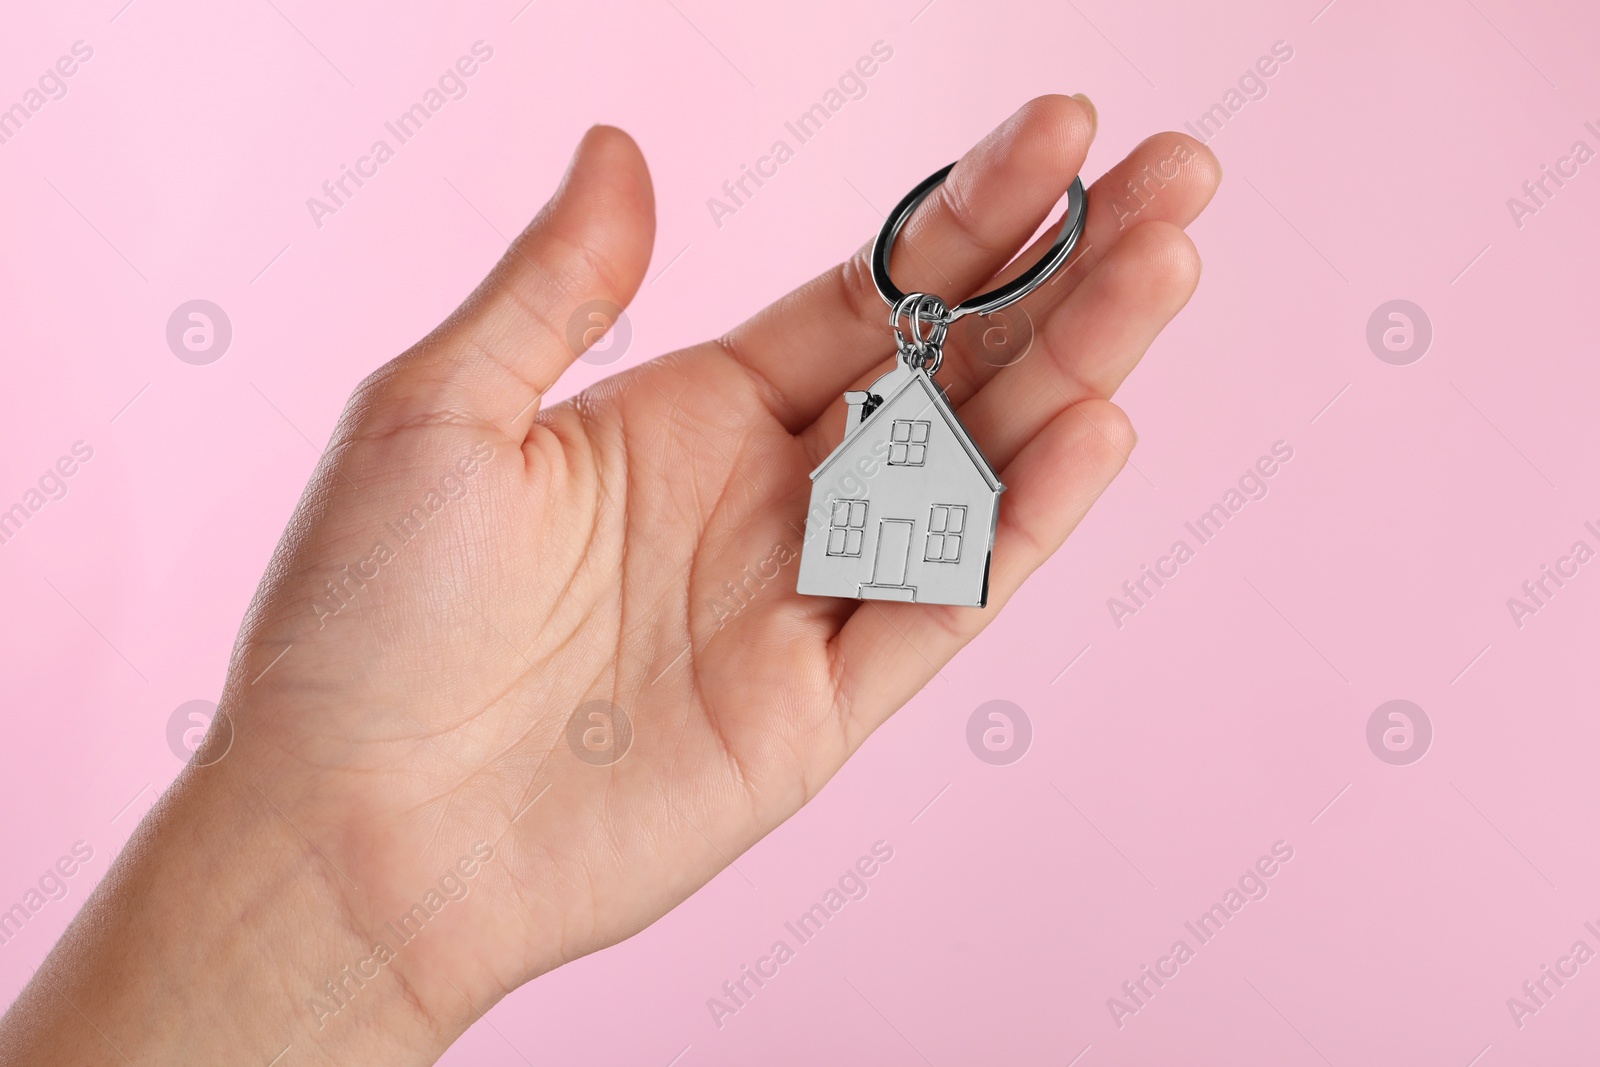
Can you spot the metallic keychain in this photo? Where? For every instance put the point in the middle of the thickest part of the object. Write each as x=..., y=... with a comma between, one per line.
x=906, y=507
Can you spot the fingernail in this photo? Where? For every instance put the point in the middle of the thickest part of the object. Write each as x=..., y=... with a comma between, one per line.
x=1094, y=114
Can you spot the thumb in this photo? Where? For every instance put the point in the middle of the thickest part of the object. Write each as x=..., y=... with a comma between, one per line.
x=556, y=290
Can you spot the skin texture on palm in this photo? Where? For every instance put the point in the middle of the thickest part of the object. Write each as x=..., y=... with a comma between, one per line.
x=387, y=723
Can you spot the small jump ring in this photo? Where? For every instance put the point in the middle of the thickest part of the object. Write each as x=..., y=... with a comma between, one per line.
x=995, y=299
x=921, y=309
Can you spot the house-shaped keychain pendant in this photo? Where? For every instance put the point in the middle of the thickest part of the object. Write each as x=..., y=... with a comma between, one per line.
x=905, y=508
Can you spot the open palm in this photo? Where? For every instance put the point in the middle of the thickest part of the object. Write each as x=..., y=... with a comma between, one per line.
x=470, y=572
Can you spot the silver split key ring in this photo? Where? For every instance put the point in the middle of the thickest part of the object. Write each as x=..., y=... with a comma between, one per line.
x=928, y=309
x=906, y=507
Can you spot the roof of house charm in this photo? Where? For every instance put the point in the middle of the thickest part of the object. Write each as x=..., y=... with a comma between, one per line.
x=905, y=508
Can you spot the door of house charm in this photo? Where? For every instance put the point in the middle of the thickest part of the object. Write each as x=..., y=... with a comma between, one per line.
x=894, y=552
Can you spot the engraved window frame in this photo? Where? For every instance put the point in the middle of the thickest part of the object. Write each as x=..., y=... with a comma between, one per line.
x=846, y=516
x=908, y=442
x=947, y=529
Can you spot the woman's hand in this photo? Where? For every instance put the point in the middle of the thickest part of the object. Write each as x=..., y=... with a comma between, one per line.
x=407, y=824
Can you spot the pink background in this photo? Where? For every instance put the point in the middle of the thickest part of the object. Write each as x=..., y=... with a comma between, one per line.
x=1223, y=717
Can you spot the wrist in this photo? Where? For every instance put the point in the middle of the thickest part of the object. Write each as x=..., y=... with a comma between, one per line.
x=221, y=933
